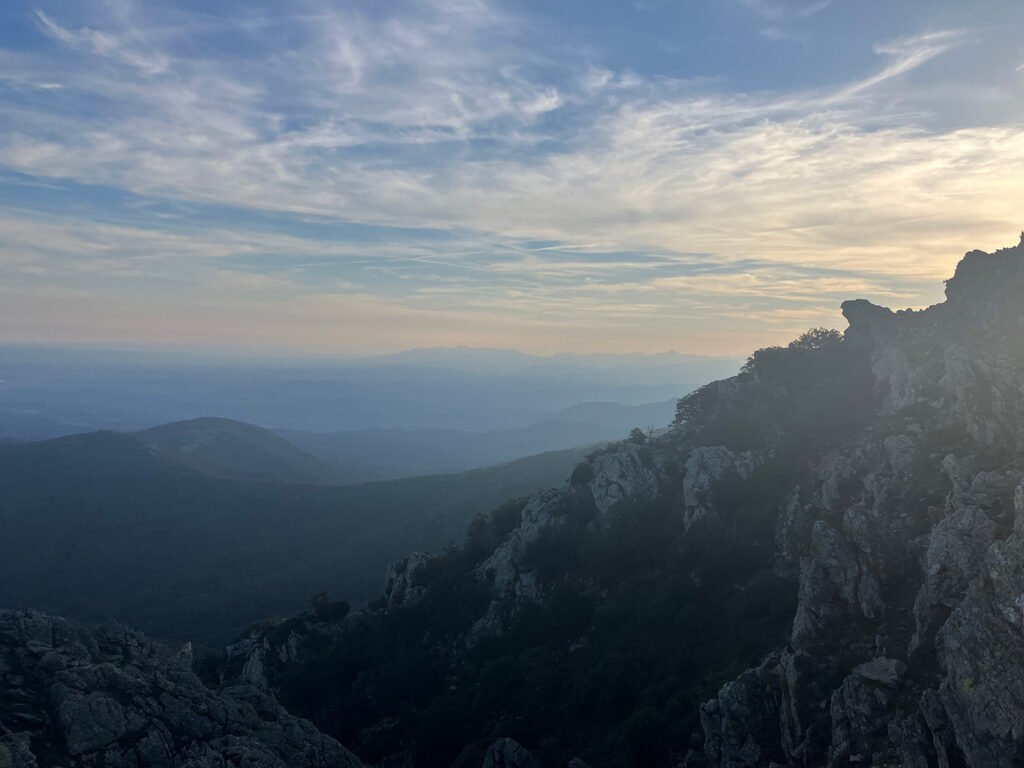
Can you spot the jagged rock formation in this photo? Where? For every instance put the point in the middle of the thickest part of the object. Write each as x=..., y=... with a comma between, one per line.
x=72, y=696
x=907, y=648
x=845, y=517
x=400, y=579
x=508, y=753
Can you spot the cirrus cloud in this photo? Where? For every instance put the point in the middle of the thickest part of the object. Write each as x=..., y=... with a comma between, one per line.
x=495, y=175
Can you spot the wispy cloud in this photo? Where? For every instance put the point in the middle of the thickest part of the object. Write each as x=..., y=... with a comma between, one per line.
x=812, y=9
x=106, y=44
x=770, y=10
x=512, y=178
x=906, y=54
x=783, y=17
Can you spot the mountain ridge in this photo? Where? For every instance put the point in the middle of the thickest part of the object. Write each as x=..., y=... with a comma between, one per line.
x=230, y=448
x=49, y=394
x=819, y=565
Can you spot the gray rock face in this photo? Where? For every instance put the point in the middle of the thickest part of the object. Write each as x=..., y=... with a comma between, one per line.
x=508, y=753
x=834, y=585
x=859, y=709
x=629, y=472
x=400, y=579
x=109, y=697
x=507, y=570
x=908, y=642
x=705, y=467
x=626, y=472
x=741, y=723
x=506, y=567
x=983, y=691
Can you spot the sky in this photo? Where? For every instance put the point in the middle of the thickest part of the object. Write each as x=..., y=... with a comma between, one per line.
x=709, y=176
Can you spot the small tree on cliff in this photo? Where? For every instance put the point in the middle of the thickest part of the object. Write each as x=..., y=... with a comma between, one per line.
x=817, y=338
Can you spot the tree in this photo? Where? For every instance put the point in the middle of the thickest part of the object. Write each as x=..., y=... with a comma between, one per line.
x=817, y=338
x=696, y=406
x=326, y=609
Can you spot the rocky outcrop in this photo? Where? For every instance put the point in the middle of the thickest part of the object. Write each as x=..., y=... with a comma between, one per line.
x=705, y=468
x=506, y=569
x=741, y=724
x=400, y=579
x=625, y=473
x=508, y=753
x=908, y=630
x=70, y=695
x=629, y=472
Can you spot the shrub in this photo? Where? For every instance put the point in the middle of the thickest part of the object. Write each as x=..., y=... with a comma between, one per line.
x=325, y=609
x=637, y=436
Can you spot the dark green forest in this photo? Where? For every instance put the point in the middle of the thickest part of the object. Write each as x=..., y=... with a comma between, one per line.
x=97, y=527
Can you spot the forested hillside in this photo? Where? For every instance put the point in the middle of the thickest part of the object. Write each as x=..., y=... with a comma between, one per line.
x=103, y=526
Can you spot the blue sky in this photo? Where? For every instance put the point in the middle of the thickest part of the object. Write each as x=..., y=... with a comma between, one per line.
x=704, y=175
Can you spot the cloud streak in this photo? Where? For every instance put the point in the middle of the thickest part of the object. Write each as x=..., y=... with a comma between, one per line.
x=512, y=178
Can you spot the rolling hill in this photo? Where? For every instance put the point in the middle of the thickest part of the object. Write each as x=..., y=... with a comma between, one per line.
x=228, y=448
x=101, y=526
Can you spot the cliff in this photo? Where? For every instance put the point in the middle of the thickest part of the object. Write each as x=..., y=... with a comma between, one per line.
x=906, y=647
x=843, y=520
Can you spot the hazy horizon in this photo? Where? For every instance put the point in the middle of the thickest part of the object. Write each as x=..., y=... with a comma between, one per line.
x=528, y=404
x=297, y=355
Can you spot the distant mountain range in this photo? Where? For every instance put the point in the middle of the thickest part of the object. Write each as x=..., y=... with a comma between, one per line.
x=51, y=392
x=388, y=453
x=509, y=360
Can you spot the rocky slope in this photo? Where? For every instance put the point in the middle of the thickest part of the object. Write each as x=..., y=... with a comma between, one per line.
x=73, y=696
x=907, y=647
x=551, y=625
x=844, y=518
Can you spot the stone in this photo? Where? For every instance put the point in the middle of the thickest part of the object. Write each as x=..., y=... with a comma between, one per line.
x=118, y=699
x=508, y=753
x=704, y=468
x=400, y=579
x=623, y=474
x=741, y=723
